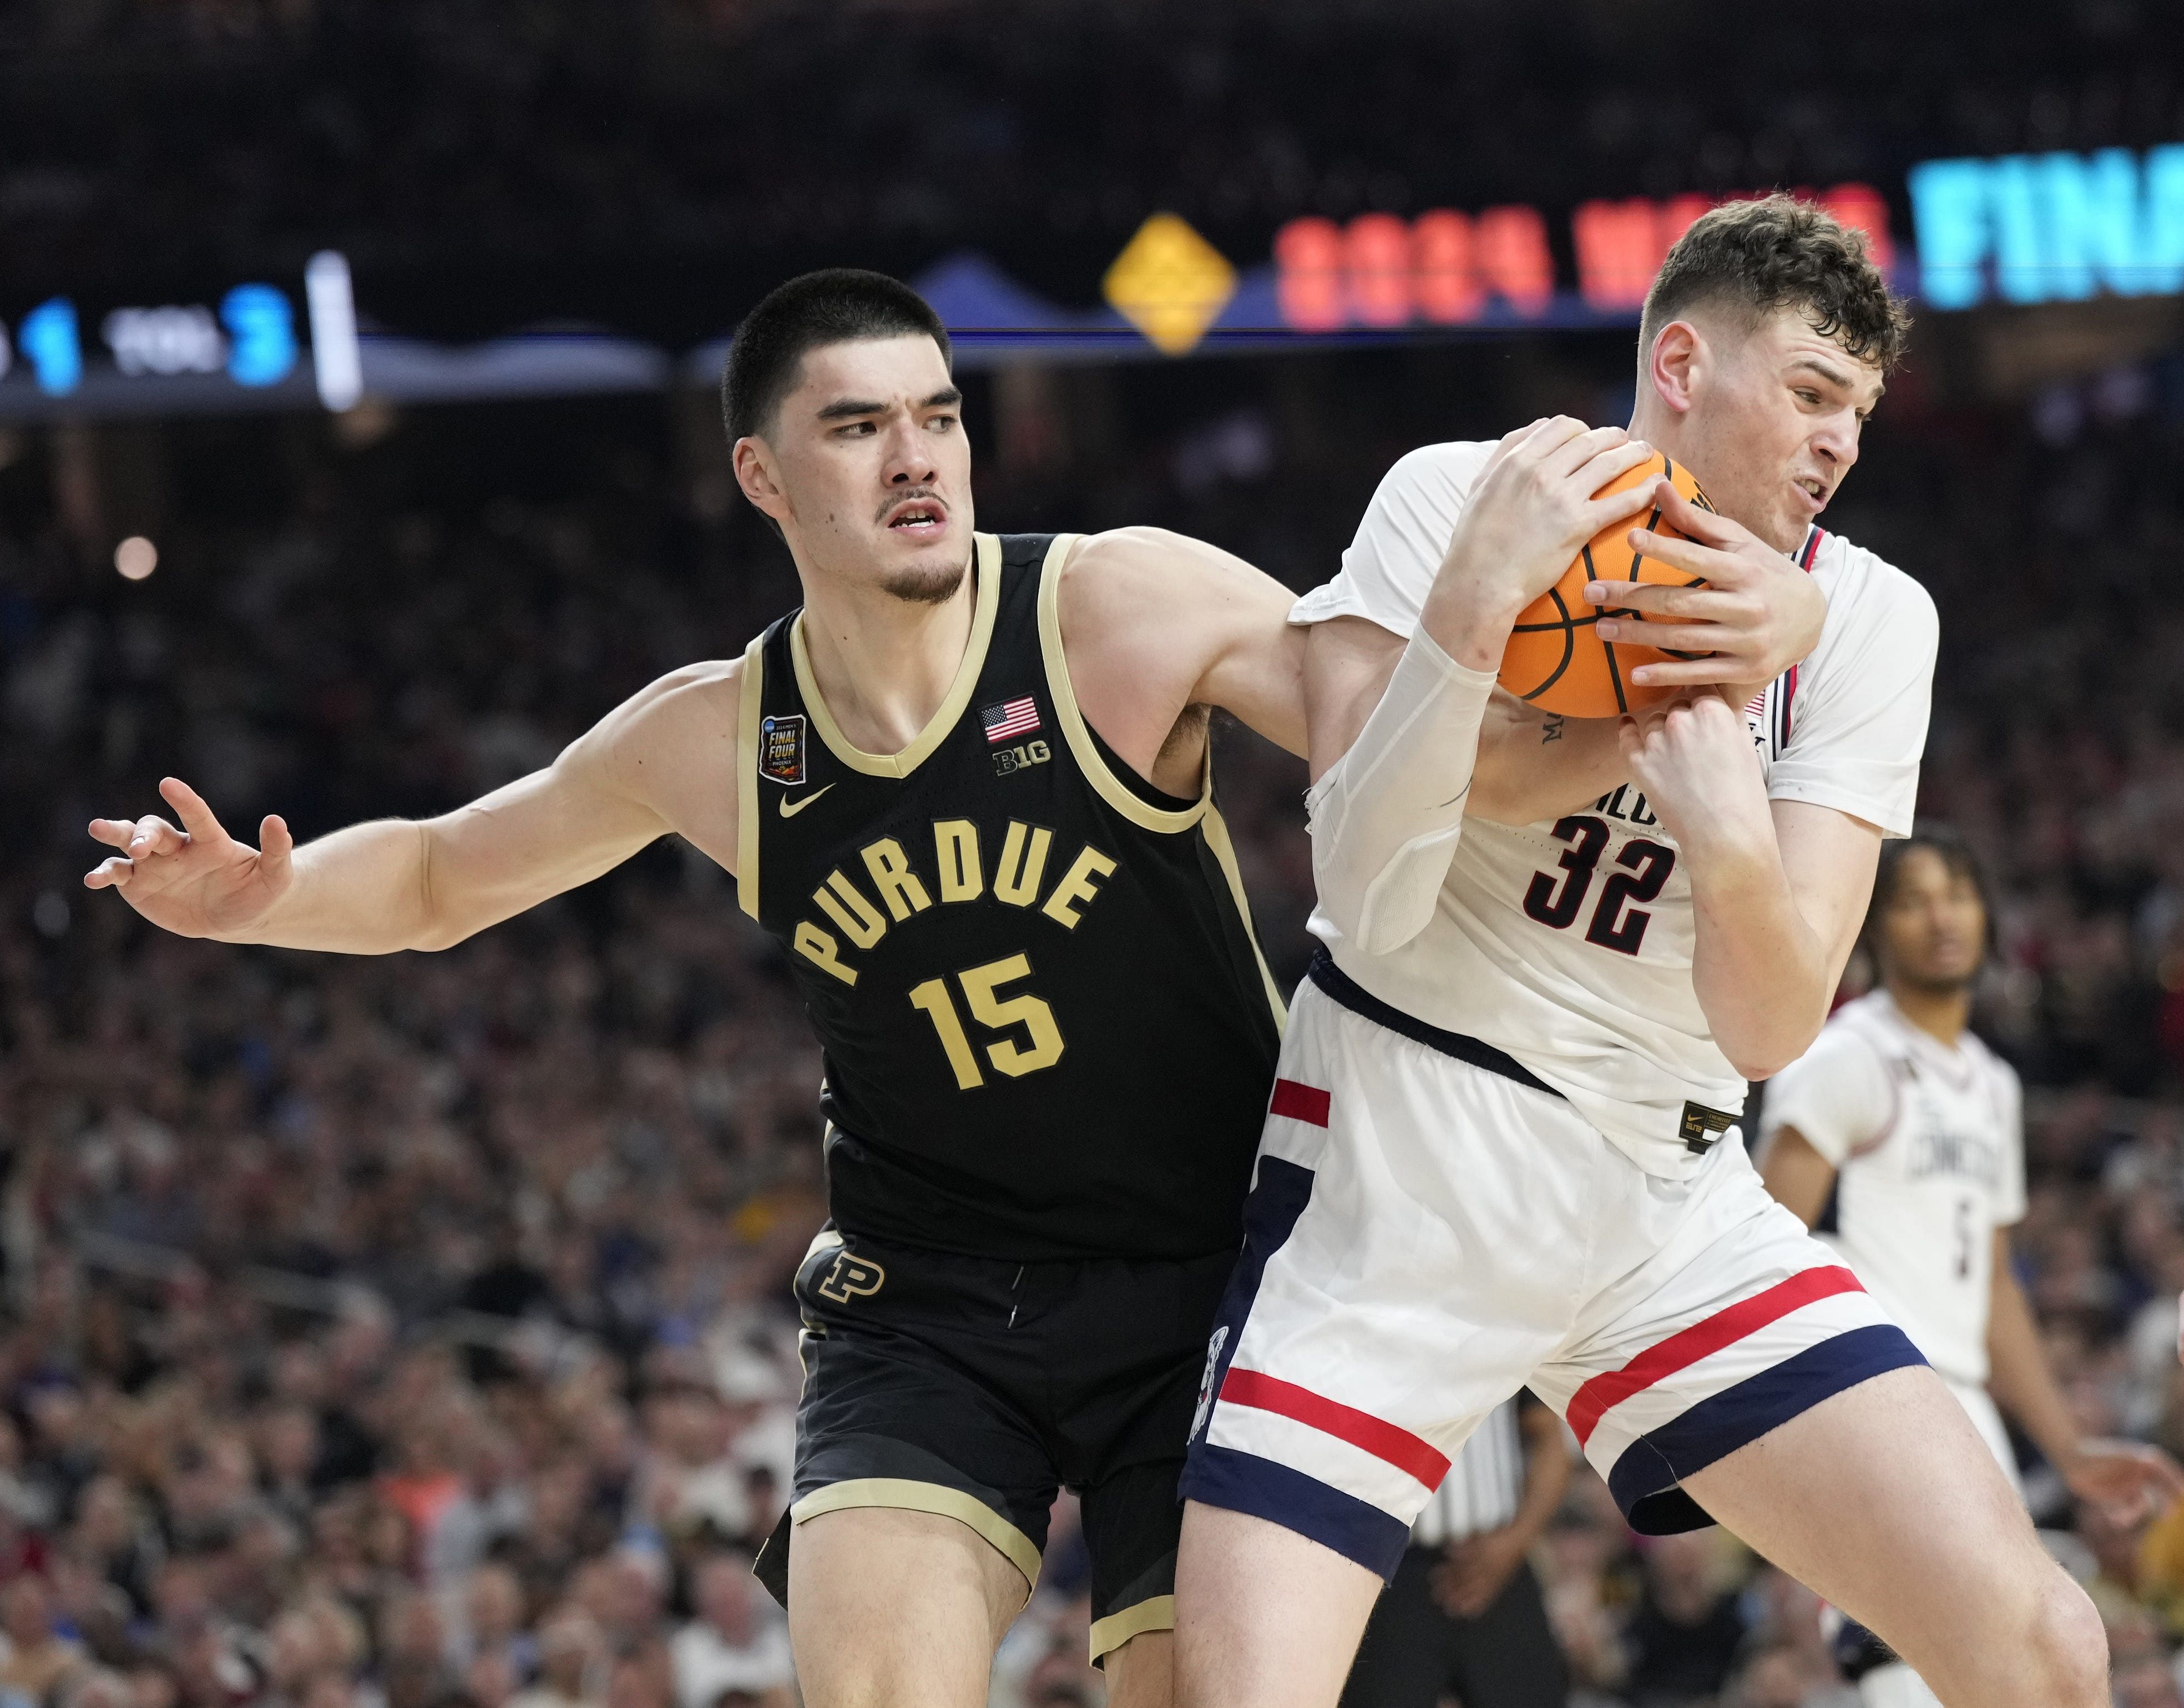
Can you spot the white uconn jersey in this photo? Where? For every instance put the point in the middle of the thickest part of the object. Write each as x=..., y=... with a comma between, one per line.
x=1568, y=943
x=1928, y=1149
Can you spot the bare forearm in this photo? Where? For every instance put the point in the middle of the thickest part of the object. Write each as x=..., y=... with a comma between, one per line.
x=1761, y=973
x=2018, y=1374
x=359, y=891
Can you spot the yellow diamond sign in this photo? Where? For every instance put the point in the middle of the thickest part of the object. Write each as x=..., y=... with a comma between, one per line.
x=1170, y=283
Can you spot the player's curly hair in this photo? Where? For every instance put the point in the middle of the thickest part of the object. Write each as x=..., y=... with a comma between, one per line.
x=1944, y=844
x=1775, y=252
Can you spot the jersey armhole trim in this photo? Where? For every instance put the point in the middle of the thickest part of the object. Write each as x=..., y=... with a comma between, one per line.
x=942, y=724
x=1225, y=855
x=750, y=711
x=1112, y=788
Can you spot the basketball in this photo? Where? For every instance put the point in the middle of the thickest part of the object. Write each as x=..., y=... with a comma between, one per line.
x=1554, y=660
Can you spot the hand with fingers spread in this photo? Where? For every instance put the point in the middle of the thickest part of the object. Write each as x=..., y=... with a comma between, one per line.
x=1537, y=500
x=197, y=881
x=1757, y=615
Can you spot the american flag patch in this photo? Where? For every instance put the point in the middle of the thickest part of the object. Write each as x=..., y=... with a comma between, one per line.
x=1007, y=719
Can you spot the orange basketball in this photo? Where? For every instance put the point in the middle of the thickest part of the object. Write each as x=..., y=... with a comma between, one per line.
x=1554, y=660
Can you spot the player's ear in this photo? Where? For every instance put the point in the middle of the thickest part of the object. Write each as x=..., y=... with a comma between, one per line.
x=760, y=477
x=1676, y=362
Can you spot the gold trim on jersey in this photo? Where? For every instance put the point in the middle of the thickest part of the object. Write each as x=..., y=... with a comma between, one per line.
x=906, y=1494
x=748, y=715
x=986, y=601
x=1224, y=851
x=1155, y=1613
x=1112, y=789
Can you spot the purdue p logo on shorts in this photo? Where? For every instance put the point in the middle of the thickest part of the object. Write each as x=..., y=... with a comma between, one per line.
x=851, y=1277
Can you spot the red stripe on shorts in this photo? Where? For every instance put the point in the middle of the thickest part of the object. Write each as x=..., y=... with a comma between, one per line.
x=1384, y=1441
x=1687, y=1346
x=1301, y=1102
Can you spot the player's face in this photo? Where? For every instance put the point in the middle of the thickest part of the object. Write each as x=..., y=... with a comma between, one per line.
x=868, y=468
x=1933, y=931
x=1774, y=424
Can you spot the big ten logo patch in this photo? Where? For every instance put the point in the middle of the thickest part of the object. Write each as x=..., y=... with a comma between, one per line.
x=1010, y=759
x=781, y=748
x=851, y=1277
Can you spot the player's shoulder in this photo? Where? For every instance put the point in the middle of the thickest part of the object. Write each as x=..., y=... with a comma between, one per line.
x=1991, y=1062
x=1446, y=471
x=1865, y=1025
x=1867, y=592
x=1139, y=557
x=703, y=695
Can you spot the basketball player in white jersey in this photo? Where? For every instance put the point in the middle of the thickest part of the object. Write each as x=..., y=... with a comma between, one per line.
x=1898, y=1138
x=1502, y=1149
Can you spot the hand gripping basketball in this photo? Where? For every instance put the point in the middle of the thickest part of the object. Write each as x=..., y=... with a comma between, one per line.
x=1556, y=659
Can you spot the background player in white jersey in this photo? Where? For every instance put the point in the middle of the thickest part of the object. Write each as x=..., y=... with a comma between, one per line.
x=1898, y=1138
x=1494, y=1157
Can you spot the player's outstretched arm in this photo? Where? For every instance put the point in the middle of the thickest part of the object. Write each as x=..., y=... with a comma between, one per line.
x=2132, y=1480
x=1155, y=622
x=399, y=884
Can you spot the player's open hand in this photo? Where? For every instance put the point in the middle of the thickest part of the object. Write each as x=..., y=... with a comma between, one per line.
x=1757, y=615
x=1694, y=759
x=2127, y=1479
x=197, y=881
x=1537, y=501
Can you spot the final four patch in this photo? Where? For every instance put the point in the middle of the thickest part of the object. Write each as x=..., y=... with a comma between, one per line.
x=781, y=748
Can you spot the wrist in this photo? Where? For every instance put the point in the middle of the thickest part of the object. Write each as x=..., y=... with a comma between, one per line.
x=1469, y=623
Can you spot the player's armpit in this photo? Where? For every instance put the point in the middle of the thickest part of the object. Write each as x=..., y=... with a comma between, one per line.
x=1533, y=765
x=1153, y=623
x=663, y=760
x=1797, y=1176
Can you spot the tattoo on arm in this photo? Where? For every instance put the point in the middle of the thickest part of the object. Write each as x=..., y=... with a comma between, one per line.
x=1551, y=730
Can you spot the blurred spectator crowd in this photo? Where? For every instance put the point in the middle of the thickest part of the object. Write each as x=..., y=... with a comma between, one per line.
x=414, y=1332
x=487, y=166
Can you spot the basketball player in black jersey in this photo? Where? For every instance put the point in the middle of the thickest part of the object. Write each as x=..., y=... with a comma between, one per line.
x=967, y=787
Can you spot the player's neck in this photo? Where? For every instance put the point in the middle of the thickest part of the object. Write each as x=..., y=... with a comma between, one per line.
x=1941, y=1013
x=882, y=663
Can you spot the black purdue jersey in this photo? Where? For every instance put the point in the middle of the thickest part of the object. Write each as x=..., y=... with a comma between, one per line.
x=1048, y=1030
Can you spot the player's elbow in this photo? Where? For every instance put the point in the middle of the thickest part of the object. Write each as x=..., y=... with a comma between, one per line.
x=1761, y=1052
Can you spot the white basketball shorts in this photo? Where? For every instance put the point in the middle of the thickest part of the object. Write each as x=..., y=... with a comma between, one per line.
x=1430, y=1228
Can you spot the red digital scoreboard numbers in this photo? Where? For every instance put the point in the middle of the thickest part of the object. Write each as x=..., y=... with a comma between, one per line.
x=1446, y=268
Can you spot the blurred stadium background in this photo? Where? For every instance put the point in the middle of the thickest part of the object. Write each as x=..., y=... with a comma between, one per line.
x=414, y=1333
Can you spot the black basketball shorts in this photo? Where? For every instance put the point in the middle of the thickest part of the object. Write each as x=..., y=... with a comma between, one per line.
x=977, y=1388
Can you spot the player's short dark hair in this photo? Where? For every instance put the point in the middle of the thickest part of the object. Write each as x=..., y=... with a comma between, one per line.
x=1779, y=252
x=834, y=306
x=1945, y=845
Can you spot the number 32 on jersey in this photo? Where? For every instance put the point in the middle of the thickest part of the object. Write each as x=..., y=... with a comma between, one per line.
x=1618, y=919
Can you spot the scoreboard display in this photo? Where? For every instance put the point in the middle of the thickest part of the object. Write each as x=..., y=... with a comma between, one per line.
x=256, y=344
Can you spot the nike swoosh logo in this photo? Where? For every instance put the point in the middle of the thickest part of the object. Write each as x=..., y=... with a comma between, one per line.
x=789, y=808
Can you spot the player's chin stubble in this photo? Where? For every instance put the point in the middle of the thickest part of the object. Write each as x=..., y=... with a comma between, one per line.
x=926, y=583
